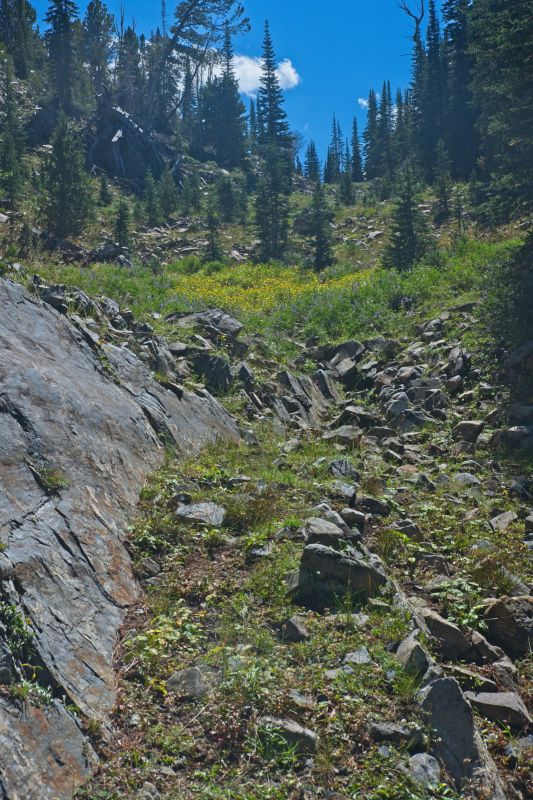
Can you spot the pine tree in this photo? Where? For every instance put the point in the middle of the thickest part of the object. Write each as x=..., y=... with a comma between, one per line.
x=276, y=144
x=19, y=35
x=122, y=224
x=188, y=103
x=152, y=208
x=98, y=27
x=408, y=239
x=357, y=161
x=501, y=44
x=11, y=141
x=167, y=192
x=104, y=196
x=346, y=193
x=274, y=128
x=68, y=201
x=62, y=55
x=385, y=125
x=460, y=110
x=222, y=114
x=320, y=217
x=227, y=199
x=442, y=210
x=191, y=198
x=401, y=136
x=312, y=163
x=271, y=208
x=130, y=82
x=213, y=250
x=334, y=160
x=252, y=125
x=432, y=107
x=371, y=139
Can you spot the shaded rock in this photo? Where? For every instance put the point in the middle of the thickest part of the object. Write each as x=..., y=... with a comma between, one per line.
x=509, y=623
x=190, y=683
x=408, y=527
x=302, y=739
x=381, y=432
x=470, y=680
x=456, y=741
x=412, y=656
x=348, y=435
x=425, y=769
x=361, y=657
x=371, y=505
x=327, y=574
x=321, y=531
x=468, y=430
x=294, y=630
x=343, y=468
x=326, y=386
x=347, y=373
x=213, y=318
x=399, y=735
x=215, y=371
x=354, y=518
x=451, y=641
x=506, y=707
x=502, y=521
x=357, y=415
x=466, y=479
x=206, y=513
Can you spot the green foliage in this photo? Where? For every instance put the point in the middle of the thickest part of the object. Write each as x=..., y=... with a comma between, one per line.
x=191, y=197
x=31, y=692
x=123, y=224
x=63, y=58
x=152, y=206
x=408, y=240
x=506, y=311
x=68, y=200
x=461, y=599
x=167, y=193
x=213, y=251
x=320, y=223
x=104, y=195
x=270, y=746
x=12, y=172
x=167, y=635
x=18, y=635
x=51, y=479
x=500, y=42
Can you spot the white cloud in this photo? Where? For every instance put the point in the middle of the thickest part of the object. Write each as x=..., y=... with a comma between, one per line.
x=287, y=74
x=248, y=73
x=362, y=102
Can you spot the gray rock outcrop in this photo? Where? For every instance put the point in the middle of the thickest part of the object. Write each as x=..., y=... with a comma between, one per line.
x=77, y=442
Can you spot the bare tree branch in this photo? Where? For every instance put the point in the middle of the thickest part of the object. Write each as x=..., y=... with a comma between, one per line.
x=416, y=17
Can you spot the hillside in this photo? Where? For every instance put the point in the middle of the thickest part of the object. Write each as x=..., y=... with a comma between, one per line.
x=266, y=412
x=367, y=538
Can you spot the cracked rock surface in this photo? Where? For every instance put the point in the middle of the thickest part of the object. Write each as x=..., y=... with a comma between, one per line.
x=76, y=445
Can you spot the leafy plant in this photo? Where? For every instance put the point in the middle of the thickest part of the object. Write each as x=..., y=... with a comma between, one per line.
x=19, y=636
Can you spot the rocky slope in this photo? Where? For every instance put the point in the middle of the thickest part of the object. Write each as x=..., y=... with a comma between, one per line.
x=81, y=428
x=353, y=588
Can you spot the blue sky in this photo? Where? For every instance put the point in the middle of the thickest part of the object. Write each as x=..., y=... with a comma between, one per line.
x=337, y=50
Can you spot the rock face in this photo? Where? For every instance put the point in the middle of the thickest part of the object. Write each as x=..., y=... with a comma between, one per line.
x=456, y=740
x=76, y=445
x=510, y=624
